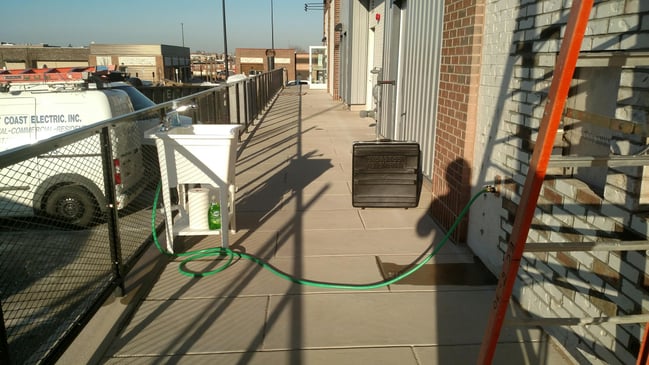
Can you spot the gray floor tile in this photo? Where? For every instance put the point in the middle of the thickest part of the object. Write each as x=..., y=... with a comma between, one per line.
x=292, y=223
x=528, y=353
x=380, y=218
x=344, y=356
x=352, y=242
x=379, y=319
x=193, y=326
x=246, y=278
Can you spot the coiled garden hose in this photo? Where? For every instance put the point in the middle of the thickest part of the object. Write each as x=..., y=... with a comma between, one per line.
x=231, y=254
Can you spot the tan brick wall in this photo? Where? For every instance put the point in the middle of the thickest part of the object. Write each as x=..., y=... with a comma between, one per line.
x=260, y=55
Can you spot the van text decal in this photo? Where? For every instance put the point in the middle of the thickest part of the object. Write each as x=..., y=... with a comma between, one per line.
x=24, y=130
x=41, y=119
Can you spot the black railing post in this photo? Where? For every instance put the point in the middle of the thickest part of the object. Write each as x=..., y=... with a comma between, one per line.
x=4, y=344
x=238, y=106
x=246, y=104
x=255, y=95
x=262, y=88
x=111, y=208
x=227, y=104
x=219, y=101
x=260, y=101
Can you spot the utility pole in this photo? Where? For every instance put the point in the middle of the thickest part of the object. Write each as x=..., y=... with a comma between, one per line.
x=182, y=32
x=271, y=59
x=225, y=42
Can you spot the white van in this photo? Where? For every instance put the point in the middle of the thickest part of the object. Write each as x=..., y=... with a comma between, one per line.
x=67, y=183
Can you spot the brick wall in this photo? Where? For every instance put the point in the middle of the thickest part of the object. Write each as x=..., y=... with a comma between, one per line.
x=521, y=42
x=261, y=61
x=336, y=58
x=457, y=105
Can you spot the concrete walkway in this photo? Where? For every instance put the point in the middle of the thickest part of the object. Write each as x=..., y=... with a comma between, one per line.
x=294, y=210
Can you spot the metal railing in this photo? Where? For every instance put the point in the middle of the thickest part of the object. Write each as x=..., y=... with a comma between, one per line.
x=75, y=215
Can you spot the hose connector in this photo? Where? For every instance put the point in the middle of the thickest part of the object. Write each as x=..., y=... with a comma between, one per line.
x=490, y=189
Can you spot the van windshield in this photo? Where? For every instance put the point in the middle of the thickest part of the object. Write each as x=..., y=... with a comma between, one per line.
x=139, y=100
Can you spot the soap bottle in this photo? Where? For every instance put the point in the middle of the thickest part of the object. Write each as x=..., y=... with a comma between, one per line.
x=214, y=215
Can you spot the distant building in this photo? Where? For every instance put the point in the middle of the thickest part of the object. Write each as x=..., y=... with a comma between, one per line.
x=257, y=60
x=14, y=56
x=157, y=63
x=301, y=66
x=208, y=66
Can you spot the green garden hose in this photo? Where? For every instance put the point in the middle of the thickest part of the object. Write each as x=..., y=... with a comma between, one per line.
x=231, y=254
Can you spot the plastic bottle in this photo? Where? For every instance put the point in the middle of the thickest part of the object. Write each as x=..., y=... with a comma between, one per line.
x=214, y=215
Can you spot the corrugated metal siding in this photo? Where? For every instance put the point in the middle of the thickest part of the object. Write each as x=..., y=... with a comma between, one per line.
x=359, y=39
x=376, y=48
x=379, y=27
x=418, y=75
x=354, y=18
x=392, y=33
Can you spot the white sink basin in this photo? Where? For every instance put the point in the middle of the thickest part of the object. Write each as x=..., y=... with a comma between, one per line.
x=200, y=131
x=197, y=154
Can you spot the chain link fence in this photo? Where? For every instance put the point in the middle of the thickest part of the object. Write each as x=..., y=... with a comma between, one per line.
x=76, y=211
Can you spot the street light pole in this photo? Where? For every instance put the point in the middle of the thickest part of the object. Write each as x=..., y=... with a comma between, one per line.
x=181, y=68
x=271, y=60
x=272, y=27
x=225, y=42
x=182, y=32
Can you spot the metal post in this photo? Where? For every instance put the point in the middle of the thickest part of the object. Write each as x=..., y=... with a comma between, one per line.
x=643, y=354
x=225, y=43
x=111, y=211
x=4, y=344
x=271, y=63
x=247, y=104
x=237, y=102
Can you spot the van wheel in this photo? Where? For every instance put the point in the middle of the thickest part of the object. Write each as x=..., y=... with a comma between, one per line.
x=72, y=204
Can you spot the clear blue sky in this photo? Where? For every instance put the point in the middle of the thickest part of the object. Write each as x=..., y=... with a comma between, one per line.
x=80, y=22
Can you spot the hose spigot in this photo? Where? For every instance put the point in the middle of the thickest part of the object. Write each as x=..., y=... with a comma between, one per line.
x=490, y=189
x=172, y=119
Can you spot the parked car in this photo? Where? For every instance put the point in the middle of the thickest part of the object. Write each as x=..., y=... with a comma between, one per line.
x=235, y=78
x=221, y=74
x=297, y=82
x=141, y=101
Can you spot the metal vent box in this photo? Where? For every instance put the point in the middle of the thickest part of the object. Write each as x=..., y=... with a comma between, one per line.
x=386, y=174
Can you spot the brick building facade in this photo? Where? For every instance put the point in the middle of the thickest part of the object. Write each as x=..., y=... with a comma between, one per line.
x=256, y=59
x=23, y=56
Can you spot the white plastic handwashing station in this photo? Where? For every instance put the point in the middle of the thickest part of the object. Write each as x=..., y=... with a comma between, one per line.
x=195, y=154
